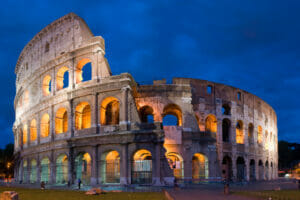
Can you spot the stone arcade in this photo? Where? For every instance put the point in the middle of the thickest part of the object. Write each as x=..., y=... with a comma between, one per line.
x=74, y=119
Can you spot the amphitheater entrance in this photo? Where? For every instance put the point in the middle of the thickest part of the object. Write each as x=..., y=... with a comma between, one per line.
x=199, y=167
x=176, y=164
x=227, y=168
x=33, y=171
x=25, y=171
x=240, y=165
x=141, y=171
x=45, y=170
x=252, y=170
x=260, y=170
x=110, y=167
x=62, y=169
x=83, y=168
x=267, y=170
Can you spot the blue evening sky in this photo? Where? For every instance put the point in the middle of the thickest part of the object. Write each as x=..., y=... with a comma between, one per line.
x=252, y=44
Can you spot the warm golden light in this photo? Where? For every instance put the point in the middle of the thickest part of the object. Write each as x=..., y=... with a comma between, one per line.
x=26, y=97
x=109, y=111
x=46, y=85
x=45, y=125
x=211, y=123
x=61, y=121
x=173, y=109
x=60, y=77
x=25, y=134
x=259, y=135
x=239, y=132
x=79, y=67
x=142, y=154
x=33, y=130
x=82, y=116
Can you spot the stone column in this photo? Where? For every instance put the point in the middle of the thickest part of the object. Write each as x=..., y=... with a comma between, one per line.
x=247, y=168
x=124, y=165
x=156, y=165
x=53, y=82
x=38, y=169
x=94, y=176
x=52, y=124
x=124, y=121
x=71, y=118
x=94, y=117
x=38, y=128
x=234, y=167
x=71, y=176
x=28, y=133
x=52, y=168
x=188, y=167
x=72, y=76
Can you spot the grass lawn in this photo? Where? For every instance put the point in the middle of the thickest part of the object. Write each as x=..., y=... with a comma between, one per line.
x=37, y=194
x=276, y=195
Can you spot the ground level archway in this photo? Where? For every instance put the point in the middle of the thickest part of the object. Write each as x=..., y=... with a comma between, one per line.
x=62, y=169
x=83, y=168
x=110, y=167
x=199, y=167
x=141, y=170
x=176, y=164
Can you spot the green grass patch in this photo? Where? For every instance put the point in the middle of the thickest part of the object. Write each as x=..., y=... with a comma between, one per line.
x=37, y=194
x=275, y=195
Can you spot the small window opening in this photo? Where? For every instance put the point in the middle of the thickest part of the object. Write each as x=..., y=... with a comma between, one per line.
x=47, y=46
x=209, y=89
x=226, y=109
x=239, y=95
x=66, y=79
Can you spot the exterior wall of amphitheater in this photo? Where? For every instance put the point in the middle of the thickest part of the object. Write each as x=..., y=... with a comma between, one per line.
x=99, y=130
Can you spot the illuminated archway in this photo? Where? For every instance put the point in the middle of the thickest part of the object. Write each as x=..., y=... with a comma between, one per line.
x=25, y=171
x=146, y=114
x=45, y=170
x=33, y=171
x=62, y=78
x=199, y=167
x=109, y=111
x=25, y=128
x=83, y=167
x=61, y=121
x=84, y=70
x=110, y=167
x=62, y=169
x=172, y=115
x=211, y=124
x=239, y=132
x=259, y=134
x=176, y=164
x=45, y=125
x=33, y=130
x=83, y=116
x=47, y=85
x=141, y=171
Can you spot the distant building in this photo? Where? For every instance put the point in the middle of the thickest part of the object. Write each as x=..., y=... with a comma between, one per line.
x=74, y=119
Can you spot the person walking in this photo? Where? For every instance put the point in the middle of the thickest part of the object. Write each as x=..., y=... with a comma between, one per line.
x=79, y=183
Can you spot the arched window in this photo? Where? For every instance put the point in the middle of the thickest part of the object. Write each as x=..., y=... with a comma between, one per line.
x=176, y=164
x=61, y=121
x=62, y=169
x=259, y=134
x=172, y=115
x=109, y=111
x=45, y=170
x=83, y=116
x=45, y=125
x=25, y=133
x=62, y=78
x=211, y=124
x=250, y=133
x=83, y=167
x=142, y=167
x=33, y=130
x=110, y=170
x=33, y=171
x=199, y=167
x=146, y=114
x=47, y=85
x=239, y=132
x=84, y=70
x=226, y=109
x=226, y=130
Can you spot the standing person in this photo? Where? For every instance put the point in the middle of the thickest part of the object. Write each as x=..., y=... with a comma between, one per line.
x=79, y=183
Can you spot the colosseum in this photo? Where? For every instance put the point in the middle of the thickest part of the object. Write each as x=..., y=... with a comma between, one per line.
x=75, y=120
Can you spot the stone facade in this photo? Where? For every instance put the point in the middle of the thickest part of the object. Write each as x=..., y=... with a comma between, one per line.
x=100, y=130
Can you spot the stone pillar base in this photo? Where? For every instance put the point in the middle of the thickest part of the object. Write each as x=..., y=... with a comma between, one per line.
x=123, y=181
x=93, y=181
x=169, y=181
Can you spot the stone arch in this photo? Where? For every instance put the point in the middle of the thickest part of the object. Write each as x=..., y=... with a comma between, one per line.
x=80, y=69
x=33, y=130
x=252, y=170
x=45, y=170
x=61, y=169
x=239, y=132
x=33, y=171
x=250, y=133
x=110, y=166
x=259, y=134
x=267, y=170
x=176, y=163
x=83, y=167
x=260, y=170
x=173, y=110
x=146, y=114
x=226, y=124
x=46, y=85
x=61, y=120
x=211, y=123
x=200, y=167
x=110, y=111
x=83, y=116
x=45, y=125
x=241, y=169
x=25, y=135
x=227, y=168
x=141, y=169
x=62, y=78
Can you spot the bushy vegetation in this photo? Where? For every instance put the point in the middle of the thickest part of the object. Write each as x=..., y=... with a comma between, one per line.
x=6, y=161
